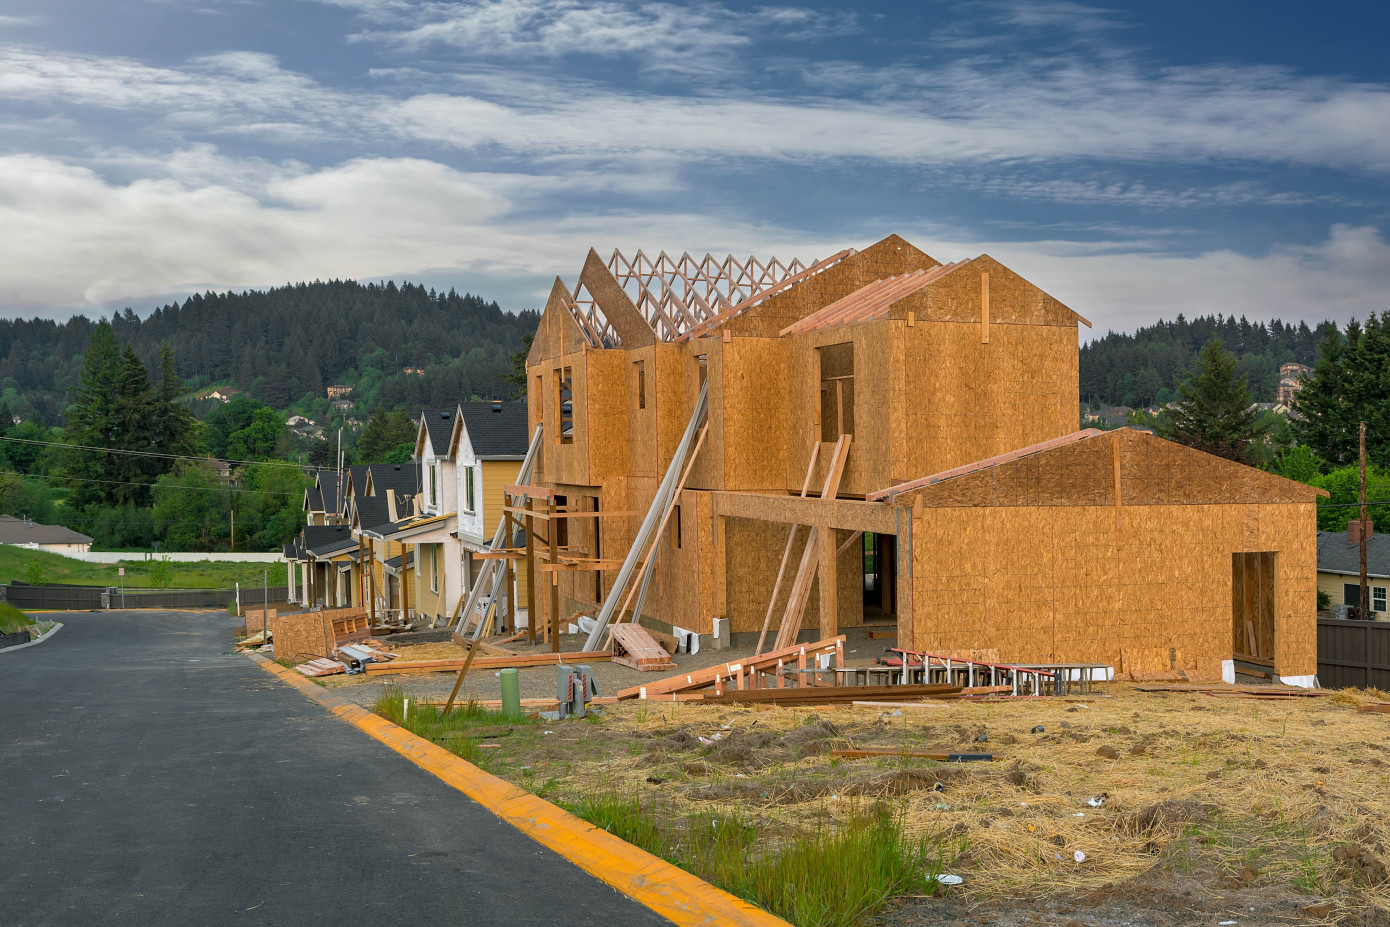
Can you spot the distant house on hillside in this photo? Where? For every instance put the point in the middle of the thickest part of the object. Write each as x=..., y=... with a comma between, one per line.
x=341, y=405
x=21, y=532
x=221, y=394
x=413, y=371
x=1106, y=416
x=338, y=392
x=1291, y=379
x=298, y=421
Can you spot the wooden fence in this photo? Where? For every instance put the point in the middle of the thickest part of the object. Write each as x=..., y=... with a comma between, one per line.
x=1353, y=653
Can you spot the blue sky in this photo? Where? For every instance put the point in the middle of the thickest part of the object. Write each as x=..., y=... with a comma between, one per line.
x=1134, y=160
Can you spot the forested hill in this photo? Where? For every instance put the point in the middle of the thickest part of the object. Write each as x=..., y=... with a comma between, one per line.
x=285, y=344
x=1138, y=369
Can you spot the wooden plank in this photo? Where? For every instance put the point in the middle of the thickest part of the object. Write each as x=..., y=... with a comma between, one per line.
x=801, y=587
x=519, y=662
x=634, y=647
x=535, y=492
x=705, y=677
x=834, y=693
x=787, y=551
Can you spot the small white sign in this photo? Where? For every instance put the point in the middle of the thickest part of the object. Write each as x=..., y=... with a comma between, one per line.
x=120, y=571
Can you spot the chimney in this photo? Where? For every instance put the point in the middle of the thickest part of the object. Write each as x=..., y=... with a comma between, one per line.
x=497, y=405
x=1354, y=531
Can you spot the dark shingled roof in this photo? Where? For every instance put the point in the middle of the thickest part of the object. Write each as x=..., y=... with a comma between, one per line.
x=19, y=531
x=313, y=500
x=371, y=511
x=328, y=490
x=395, y=562
x=326, y=539
x=439, y=425
x=497, y=429
x=403, y=478
x=1335, y=555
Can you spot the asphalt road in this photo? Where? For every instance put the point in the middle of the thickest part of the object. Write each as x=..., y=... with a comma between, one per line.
x=149, y=776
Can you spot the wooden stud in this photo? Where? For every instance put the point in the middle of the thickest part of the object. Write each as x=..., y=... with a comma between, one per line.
x=553, y=624
x=787, y=552
x=984, y=308
x=532, y=604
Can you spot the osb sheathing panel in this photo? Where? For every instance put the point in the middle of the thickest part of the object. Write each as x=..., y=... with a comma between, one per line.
x=868, y=465
x=956, y=297
x=606, y=415
x=300, y=636
x=1152, y=472
x=1077, y=595
x=675, y=400
x=632, y=329
x=886, y=258
x=963, y=401
x=755, y=410
x=565, y=463
x=557, y=328
x=642, y=423
x=682, y=592
x=708, y=471
x=753, y=550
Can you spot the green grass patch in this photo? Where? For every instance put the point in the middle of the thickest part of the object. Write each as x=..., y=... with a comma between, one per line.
x=460, y=732
x=41, y=566
x=12, y=619
x=834, y=874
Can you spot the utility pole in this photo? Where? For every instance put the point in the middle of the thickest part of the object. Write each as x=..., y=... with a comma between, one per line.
x=233, y=514
x=265, y=603
x=1364, y=600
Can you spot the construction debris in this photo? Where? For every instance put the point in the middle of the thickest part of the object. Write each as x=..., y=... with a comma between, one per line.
x=518, y=661
x=633, y=646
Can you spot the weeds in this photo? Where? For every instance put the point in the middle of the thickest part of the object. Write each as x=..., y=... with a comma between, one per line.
x=459, y=732
x=827, y=876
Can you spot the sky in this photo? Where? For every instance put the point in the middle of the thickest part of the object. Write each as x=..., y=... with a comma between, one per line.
x=1135, y=160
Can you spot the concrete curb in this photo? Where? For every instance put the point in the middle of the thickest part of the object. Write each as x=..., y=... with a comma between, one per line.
x=57, y=626
x=652, y=882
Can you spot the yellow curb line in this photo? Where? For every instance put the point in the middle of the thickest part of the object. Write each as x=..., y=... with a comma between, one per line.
x=668, y=890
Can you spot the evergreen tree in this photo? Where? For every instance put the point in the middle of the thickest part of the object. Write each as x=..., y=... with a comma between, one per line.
x=1213, y=411
x=1350, y=385
x=386, y=434
x=94, y=420
x=176, y=427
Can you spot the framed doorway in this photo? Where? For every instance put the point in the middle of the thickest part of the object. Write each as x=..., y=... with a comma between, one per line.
x=1253, y=588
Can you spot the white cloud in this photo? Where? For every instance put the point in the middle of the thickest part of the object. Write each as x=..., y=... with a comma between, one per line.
x=77, y=240
x=686, y=37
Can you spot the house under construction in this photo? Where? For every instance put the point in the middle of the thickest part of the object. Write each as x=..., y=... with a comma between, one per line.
x=773, y=449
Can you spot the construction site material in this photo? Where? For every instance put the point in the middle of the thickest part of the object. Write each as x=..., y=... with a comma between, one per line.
x=301, y=635
x=817, y=695
x=867, y=752
x=634, y=647
x=321, y=667
x=747, y=670
x=813, y=555
x=663, y=499
x=1382, y=708
x=926, y=703
x=458, y=683
x=787, y=551
x=574, y=687
x=518, y=661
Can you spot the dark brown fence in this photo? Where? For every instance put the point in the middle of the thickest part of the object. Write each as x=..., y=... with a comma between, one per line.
x=1353, y=653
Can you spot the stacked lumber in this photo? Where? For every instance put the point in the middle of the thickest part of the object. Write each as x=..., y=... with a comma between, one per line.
x=828, y=695
x=321, y=667
x=519, y=661
x=1381, y=709
x=634, y=647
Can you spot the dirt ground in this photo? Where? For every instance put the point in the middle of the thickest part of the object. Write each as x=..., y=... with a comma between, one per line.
x=1127, y=809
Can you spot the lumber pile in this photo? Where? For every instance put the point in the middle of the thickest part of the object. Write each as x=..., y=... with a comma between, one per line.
x=633, y=646
x=828, y=695
x=321, y=667
x=519, y=661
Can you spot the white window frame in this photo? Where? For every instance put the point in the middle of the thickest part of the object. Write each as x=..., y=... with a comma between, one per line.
x=470, y=499
x=434, y=486
x=434, y=568
x=1378, y=598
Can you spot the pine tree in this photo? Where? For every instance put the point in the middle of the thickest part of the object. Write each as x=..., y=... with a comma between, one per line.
x=1213, y=411
x=93, y=420
x=1350, y=384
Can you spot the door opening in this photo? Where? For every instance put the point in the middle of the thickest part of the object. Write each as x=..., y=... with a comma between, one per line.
x=1252, y=607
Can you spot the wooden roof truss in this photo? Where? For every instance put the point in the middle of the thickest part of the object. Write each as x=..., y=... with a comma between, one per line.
x=678, y=295
x=592, y=322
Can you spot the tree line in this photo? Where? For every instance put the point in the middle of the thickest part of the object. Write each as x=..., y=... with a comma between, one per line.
x=397, y=345
x=1143, y=368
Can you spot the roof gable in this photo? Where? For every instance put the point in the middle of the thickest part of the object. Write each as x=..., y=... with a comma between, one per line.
x=1079, y=469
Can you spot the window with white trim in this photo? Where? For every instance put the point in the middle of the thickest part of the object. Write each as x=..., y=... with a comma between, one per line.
x=468, y=492
x=1377, y=598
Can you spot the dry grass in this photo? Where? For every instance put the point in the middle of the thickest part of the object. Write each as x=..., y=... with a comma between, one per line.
x=1226, y=794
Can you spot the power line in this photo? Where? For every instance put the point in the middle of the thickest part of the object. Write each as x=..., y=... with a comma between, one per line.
x=88, y=479
x=116, y=450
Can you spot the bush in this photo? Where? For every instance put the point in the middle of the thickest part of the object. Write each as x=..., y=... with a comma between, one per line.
x=1324, y=601
x=33, y=574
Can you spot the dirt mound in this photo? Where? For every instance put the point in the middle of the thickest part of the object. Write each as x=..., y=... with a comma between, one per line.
x=1166, y=814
